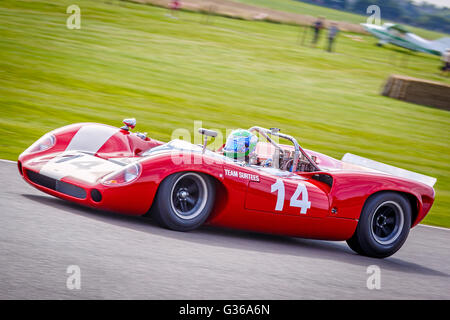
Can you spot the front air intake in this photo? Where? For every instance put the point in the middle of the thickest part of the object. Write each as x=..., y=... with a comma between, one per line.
x=56, y=185
x=96, y=195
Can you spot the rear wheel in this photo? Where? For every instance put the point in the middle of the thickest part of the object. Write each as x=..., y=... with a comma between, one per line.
x=383, y=225
x=354, y=245
x=184, y=201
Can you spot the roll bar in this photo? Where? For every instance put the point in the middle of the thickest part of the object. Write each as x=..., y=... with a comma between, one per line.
x=297, y=149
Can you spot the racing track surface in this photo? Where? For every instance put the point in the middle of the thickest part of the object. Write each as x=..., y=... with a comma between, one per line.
x=128, y=257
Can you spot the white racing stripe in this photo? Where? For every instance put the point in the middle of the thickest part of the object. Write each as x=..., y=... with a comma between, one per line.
x=78, y=165
x=385, y=168
x=91, y=138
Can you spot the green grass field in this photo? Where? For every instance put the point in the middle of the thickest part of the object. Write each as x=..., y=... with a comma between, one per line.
x=130, y=60
x=330, y=14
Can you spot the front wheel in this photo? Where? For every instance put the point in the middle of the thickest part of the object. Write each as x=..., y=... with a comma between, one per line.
x=184, y=201
x=383, y=225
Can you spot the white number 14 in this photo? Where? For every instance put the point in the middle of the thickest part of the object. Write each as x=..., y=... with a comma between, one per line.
x=303, y=204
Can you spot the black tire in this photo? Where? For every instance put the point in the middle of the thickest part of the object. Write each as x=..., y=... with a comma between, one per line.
x=383, y=226
x=354, y=245
x=184, y=201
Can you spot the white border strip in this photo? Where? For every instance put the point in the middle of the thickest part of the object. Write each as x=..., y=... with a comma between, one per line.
x=434, y=227
x=7, y=161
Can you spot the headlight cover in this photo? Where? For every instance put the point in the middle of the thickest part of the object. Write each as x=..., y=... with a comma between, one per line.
x=44, y=143
x=124, y=176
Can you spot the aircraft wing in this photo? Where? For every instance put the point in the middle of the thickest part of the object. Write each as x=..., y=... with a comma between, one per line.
x=440, y=44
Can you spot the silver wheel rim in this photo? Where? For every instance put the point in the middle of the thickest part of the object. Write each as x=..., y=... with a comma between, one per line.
x=188, y=195
x=387, y=222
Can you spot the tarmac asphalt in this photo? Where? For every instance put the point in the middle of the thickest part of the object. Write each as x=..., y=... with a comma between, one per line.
x=121, y=257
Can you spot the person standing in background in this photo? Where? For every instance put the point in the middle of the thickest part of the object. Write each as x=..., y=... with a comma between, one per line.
x=317, y=26
x=446, y=62
x=332, y=33
x=174, y=6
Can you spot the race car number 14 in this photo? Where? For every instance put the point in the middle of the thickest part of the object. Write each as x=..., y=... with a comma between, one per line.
x=301, y=190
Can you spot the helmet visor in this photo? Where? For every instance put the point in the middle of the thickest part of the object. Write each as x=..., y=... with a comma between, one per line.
x=237, y=146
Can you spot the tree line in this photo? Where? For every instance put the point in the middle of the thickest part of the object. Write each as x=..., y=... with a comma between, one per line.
x=424, y=15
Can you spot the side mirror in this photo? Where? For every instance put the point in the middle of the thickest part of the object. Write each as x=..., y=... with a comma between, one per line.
x=129, y=124
x=206, y=133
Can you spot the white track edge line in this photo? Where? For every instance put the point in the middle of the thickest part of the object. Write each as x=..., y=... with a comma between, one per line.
x=434, y=227
x=8, y=161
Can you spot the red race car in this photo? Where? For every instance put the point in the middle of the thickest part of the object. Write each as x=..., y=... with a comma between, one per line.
x=277, y=188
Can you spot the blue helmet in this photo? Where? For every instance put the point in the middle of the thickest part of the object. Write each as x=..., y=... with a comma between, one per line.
x=240, y=143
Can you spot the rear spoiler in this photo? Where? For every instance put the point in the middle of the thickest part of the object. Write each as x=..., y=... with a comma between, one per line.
x=385, y=168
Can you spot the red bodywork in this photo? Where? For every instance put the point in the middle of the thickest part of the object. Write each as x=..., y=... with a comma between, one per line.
x=244, y=197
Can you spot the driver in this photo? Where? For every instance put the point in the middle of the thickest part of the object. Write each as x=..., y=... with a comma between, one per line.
x=241, y=145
